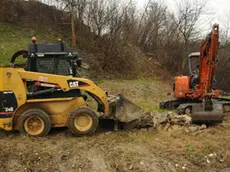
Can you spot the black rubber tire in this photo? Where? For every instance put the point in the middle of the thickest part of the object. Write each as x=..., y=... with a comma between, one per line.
x=39, y=113
x=78, y=112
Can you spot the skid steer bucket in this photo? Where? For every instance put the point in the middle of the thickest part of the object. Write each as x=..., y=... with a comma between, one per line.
x=201, y=116
x=126, y=111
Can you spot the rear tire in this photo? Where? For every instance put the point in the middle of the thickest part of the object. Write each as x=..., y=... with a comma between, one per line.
x=83, y=121
x=34, y=122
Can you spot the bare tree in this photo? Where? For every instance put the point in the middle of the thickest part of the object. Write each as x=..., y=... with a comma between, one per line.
x=152, y=25
x=187, y=18
x=98, y=16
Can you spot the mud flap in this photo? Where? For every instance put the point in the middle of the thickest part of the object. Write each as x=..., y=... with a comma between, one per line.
x=126, y=111
x=200, y=116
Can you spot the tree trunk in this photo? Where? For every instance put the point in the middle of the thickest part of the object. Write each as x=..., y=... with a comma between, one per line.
x=74, y=39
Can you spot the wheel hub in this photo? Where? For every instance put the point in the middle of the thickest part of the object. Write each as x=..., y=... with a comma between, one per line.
x=83, y=122
x=34, y=125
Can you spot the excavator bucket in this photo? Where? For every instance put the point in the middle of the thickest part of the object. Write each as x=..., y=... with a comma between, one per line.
x=126, y=111
x=202, y=116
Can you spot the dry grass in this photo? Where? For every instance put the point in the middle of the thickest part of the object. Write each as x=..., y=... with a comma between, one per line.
x=147, y=93
x=137, y=150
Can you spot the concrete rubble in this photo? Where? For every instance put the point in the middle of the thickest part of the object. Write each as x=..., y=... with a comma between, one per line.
x=167, y=121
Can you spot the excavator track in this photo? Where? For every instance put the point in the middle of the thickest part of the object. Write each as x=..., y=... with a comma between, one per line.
x=226, y=104
x=180, y=104
x=186, y=108
x=171, y=104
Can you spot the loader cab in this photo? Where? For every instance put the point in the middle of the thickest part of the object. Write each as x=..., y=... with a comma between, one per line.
x=50, y=58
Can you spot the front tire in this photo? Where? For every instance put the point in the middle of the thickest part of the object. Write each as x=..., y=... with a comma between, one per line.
x=83, y=121
x=34, y=122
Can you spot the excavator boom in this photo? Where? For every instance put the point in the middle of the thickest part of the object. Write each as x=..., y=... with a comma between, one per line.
x=208, y=55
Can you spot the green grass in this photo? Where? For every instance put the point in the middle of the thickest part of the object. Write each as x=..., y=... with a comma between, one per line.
x=146, y=93
x=226, y=97
x=14, y=38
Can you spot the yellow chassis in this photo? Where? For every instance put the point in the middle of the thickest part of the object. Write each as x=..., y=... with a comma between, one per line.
x=15, y=79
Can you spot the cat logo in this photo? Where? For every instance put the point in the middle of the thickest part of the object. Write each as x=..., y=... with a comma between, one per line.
x=73, y=84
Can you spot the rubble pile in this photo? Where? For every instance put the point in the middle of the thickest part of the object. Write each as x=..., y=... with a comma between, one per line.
x=167, y=121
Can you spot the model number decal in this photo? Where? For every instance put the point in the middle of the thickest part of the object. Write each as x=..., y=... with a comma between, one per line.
x=73, y=84
x=9, y=109
x=7, y=92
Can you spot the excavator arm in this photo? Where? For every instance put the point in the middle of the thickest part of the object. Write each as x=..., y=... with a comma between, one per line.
x=208, y=56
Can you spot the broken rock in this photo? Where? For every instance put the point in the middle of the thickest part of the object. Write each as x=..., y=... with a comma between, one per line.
x=182, y=119
x=166, y=127
x=176, y=127
x=203, y=126
x=193, y=128
x=162, y=118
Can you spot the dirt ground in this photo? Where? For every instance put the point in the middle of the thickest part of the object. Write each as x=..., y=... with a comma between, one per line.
x=121, y=151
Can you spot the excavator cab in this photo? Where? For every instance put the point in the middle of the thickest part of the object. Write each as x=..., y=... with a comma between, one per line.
x=194, y=69
x=193, y=65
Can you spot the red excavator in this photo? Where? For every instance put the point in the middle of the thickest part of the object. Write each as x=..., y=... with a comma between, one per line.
x=197, y=93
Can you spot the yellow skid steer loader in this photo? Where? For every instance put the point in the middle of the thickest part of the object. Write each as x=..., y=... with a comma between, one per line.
x=34, y=101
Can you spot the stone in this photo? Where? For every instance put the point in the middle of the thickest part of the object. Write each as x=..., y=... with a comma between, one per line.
x=159, y=127
x=182, y=119
x=151, y=129
x=108, y=133
x=176, y=127
x=203, y=126
x=144, y=129
x=197, y=132
x=142, y=163
x=170, y=115
x=187, y=130
x=130, y=167
x=162, y=118
x=166, y=127
x=193, y=128
x=187, y=119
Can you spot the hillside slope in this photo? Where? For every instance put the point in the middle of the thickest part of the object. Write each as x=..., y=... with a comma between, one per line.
x=15, y=37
